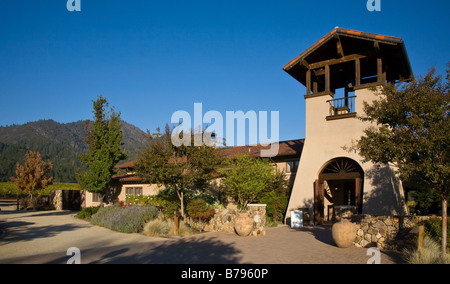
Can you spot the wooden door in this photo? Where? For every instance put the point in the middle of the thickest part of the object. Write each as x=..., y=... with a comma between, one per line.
x=318, y=202
x=358, y=194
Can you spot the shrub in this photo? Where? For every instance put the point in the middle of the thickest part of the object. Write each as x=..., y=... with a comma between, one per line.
x=199, y=209
x=157, y=228
x=276, y=205
x=87, y=212
x=433, y=228
x=166, y=202
x=430, y=254
x=164, y=228
x=125, y=220
x=104, y=215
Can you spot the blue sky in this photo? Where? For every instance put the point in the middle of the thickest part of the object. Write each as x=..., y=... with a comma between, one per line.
x=152, y=58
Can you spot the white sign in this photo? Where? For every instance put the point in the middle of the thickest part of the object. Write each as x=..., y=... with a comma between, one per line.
x=296, y=219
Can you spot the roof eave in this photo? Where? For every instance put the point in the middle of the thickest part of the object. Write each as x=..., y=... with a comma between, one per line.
x=336, y=32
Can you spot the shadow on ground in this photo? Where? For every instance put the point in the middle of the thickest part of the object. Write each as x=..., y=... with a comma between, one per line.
x=323, y=234
x=23, y=231
x=182, y=251
x=320, y=233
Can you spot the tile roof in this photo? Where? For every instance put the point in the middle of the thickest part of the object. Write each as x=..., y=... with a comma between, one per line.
x=127, y=178
x=286, y=148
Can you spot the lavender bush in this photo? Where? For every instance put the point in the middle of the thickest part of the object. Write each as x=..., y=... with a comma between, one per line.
x=125, y=220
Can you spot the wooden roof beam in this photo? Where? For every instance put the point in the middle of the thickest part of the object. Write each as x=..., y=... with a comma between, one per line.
x=344, y=59
x=340, y=49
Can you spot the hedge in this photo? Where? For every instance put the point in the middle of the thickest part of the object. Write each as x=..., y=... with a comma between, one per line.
x=9, y=188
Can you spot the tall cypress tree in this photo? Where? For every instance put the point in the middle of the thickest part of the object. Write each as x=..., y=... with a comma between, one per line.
x=104, y=139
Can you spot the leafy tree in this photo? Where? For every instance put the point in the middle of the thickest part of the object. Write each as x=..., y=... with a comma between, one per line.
x=186, y=170
x=411, y=131
x=104, y=139
x=33, y=175
x=248, y=179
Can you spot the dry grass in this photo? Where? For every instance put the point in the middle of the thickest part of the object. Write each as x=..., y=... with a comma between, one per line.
x=165, y=228
x=430, y=254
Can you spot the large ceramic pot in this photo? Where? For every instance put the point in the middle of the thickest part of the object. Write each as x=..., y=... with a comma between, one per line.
x=343, y=233
x=243, y=225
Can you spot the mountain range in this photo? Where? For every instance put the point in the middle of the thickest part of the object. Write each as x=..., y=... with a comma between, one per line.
x=58, y=143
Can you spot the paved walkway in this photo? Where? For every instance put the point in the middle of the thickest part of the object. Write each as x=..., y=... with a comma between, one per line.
x=44, y=237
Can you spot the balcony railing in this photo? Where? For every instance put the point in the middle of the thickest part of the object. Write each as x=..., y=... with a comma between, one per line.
x=342, y=107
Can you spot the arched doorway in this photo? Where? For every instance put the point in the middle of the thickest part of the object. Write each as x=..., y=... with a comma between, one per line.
x=339, y=185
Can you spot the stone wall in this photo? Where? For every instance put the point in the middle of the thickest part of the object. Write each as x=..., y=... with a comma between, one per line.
x=384, y=232
x=223, y=219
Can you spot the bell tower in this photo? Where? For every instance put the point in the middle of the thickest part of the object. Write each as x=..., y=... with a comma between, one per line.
x=340, y=72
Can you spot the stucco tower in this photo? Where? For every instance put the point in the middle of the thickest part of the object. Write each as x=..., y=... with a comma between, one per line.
x=339, y=73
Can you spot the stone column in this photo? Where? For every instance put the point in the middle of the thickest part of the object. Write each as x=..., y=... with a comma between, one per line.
x=56, y=198
x=258, y=213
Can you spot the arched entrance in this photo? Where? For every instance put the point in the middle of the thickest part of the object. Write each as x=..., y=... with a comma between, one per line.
x=339, y=186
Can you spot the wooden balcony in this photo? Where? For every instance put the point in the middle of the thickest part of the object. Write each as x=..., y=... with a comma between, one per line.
x=342, y=108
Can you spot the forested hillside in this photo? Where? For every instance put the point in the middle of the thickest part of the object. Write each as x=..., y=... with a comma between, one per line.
x=56, y=142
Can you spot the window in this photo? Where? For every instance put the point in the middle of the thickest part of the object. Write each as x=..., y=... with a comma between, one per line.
x=96, y=197
x=292, y=167
x=133, y=191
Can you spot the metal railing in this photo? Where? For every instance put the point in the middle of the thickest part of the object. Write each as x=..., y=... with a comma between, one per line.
x=342, y=106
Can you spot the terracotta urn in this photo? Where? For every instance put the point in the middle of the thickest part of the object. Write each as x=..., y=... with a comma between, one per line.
x=343, y=233
x=243, y=225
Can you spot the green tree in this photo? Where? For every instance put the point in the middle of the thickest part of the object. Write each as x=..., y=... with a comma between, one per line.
x=186, y=170
x=33, y=175
x=104, y=139
x=247, y=179
x=411, y=131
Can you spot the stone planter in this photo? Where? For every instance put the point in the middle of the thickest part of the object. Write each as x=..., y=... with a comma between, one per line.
x=343, y=234
x=243, y=224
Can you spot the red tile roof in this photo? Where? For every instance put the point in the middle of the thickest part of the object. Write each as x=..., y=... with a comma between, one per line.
x=127, y=178
x=286, y=148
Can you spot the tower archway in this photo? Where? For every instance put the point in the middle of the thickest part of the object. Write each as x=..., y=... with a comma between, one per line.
x=339, y=186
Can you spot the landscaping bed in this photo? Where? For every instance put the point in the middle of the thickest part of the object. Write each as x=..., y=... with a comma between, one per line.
x=145, y=219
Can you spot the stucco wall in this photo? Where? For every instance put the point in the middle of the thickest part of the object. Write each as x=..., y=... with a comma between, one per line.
x=118, y=193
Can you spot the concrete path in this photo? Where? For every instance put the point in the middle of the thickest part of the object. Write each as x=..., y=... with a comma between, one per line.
x=44, y=237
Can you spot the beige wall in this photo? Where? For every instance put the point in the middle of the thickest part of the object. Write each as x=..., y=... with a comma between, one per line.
x=324, y=141
x=119, y=193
